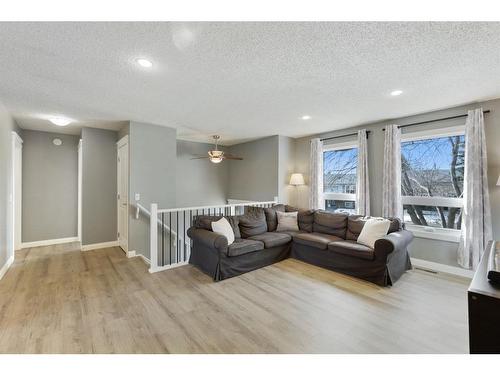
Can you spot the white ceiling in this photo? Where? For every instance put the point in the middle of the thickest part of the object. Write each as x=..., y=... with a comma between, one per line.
x=242, y=80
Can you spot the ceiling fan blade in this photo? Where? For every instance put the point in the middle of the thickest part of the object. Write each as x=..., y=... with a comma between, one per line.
x=230, y=157
x=199, y=157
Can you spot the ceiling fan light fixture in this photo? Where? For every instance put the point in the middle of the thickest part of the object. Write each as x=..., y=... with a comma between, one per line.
x=216, y=160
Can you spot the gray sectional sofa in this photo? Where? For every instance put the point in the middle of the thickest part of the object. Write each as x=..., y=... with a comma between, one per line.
x=324, y=239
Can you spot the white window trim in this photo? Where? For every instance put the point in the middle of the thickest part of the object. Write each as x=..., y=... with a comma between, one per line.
x=340, y=146
x=433, y=233
x=339, y=196
x=432, y=201
x=422, y=231
x=433, y=133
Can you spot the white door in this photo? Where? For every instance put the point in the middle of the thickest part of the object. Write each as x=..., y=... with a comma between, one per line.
x=17, y=162
x=122, y=196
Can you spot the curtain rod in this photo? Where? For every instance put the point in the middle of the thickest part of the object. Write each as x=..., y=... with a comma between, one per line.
x=435, y=120
x=344, y=135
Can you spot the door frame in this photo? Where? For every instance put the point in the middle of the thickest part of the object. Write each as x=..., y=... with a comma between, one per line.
x=17, y=192
x=122, y=142
x=80, y=182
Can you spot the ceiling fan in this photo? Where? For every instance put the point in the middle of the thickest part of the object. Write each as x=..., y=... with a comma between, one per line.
x=216, y=156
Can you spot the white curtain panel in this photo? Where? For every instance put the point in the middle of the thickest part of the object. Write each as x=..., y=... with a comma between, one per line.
x=476, y=217
x=391, y=181
x=316, y=200
x=362, y=185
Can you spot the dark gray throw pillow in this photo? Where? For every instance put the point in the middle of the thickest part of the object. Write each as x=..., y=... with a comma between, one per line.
x=253, y=222
x=271, y=218
x=305, y=218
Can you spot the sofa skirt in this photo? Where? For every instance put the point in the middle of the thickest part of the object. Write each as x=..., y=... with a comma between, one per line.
x=220, y=266
x=380, y=272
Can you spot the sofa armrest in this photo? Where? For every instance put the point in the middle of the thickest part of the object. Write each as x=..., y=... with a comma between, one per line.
x=208, y=239
x=392, y=242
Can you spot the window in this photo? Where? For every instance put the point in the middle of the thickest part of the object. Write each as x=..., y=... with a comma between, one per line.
x=339, y=177
x=432, y=178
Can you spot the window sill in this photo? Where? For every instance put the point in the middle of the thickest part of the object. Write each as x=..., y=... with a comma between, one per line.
x=440, y=234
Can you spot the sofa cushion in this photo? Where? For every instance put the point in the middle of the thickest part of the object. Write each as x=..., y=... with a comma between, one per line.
x=396, y=224
x=304, y=217
x=272, y=239
x=253, y=222
x=330, y=223
x=244, y=246
x=271, y=219
x=355, y=224
x=352, y=248
x=315, y=239
x=205, y=222
x=294, y=232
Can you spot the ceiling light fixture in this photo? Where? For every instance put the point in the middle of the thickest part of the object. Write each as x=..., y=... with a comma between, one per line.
x=396, y=92
x=60, y=121
x=306, y=117
x=145, y=63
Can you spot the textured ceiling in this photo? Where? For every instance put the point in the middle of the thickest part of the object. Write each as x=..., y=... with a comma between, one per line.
x=242, y=80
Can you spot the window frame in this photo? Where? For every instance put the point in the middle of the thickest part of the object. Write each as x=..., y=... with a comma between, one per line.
x=346, y=145
x=445, y=234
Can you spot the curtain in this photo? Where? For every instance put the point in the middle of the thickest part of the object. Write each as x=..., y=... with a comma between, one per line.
x=476, y=217
x=316, y=200
x=391, y=181
x=362, y=183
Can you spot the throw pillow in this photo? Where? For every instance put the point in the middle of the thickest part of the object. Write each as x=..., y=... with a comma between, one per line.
x=373, y=229
x=223, y=227
x=287, y=221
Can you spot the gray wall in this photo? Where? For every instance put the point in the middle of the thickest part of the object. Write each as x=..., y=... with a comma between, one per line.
x=152, y=174
x=256, y=176
x=7, y=125
x=50, y=186
x=99, y=212
x=286, y=166
x=200, y=182
x=431, y=250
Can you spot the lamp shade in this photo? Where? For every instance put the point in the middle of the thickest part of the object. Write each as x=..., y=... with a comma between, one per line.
x=297, y=179
x=498, y=181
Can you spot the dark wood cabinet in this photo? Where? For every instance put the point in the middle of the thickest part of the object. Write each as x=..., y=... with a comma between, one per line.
x=484, y=309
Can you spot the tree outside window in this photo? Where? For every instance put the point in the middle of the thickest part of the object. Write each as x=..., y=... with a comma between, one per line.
x=433, y=168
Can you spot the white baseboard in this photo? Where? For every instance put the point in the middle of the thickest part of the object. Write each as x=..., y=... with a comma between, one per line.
x=170, y=266
x=56, y=241
x=131, y=254
x=102, y=245
x=6, y=266
x=438, y=267
x=144, y=259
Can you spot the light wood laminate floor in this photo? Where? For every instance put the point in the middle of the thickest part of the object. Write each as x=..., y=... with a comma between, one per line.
x=57, y=299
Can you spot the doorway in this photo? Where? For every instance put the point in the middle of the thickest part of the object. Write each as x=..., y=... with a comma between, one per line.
x=122, y=196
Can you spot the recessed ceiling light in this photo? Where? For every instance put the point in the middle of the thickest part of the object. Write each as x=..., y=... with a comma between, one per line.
x=145, y=63
x=396, y=92
x=60, y=121
x=306, y=117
